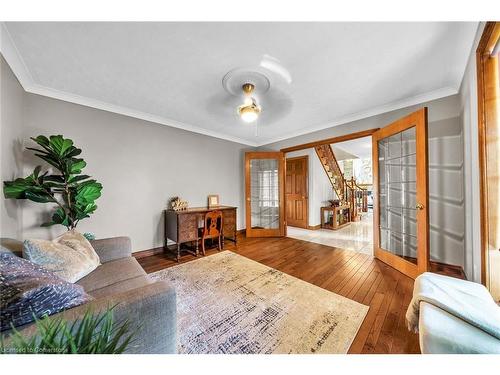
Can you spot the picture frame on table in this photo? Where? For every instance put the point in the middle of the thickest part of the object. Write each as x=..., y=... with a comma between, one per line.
x=213, y=201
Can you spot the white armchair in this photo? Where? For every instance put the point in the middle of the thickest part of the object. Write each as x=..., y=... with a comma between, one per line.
x=454, y=316
x=442, y=333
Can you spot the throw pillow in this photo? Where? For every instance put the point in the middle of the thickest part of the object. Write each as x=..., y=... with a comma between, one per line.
x=70, y=256
x=28, y=290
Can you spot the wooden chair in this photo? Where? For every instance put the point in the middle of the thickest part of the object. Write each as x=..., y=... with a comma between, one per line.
x=212, y=229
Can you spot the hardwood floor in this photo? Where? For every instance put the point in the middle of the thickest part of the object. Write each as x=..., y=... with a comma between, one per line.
x=354, y=275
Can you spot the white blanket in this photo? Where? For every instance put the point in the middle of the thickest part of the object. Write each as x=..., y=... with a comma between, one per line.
x=466, y=300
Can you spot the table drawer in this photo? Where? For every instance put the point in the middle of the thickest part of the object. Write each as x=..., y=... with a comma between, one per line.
x=188, y=228
x=229, y=222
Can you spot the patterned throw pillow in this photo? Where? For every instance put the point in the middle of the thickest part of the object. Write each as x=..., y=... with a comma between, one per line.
x=70, y=256
x=28, y=290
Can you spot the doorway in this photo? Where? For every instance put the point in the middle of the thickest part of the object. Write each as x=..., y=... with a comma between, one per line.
x=400, y=192
x=353, y=158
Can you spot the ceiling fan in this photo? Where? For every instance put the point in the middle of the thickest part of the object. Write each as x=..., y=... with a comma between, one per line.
x=253, y=84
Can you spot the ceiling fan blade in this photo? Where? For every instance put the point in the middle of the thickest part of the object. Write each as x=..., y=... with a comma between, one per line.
x=274, y=65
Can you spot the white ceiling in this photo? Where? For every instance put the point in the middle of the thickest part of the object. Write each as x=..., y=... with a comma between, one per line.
x=171, y=73
x=360, y=148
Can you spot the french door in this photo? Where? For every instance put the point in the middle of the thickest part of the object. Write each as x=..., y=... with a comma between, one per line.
x=401, y=204
x=264, y=191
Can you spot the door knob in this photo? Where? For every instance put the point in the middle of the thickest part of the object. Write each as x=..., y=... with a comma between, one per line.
x=419, y=206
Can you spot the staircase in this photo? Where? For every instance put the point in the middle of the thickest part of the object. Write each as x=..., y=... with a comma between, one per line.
x=332, y=169
x=348, y=192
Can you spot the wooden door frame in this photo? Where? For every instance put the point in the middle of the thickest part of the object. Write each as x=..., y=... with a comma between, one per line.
x=333, y=140
x=422, y=171
x=338, y=139
x=486, y=115
x=307, y=186
x=281, y=180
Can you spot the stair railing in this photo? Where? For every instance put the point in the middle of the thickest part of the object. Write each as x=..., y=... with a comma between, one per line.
x=332, y=169
x=348, y=191
x=358, y=198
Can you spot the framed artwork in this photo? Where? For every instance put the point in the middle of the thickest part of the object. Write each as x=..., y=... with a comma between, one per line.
x=213, y=201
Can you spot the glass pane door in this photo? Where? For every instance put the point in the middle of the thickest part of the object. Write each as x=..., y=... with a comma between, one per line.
x=264, y=184
x=401, y=220
x=264, y=194
x=398, y=194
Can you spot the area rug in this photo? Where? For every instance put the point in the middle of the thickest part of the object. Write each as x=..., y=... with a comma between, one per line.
x=227, y=303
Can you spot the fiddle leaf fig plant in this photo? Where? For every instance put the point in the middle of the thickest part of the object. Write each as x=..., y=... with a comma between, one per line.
x=73, y=193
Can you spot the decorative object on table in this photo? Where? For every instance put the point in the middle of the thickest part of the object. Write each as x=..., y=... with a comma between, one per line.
x=177, y=204
x=246, y=307
x=74, y=193
x=92, y=334
x=89, y=236
x=334, y=202
x=29, y=291
x=213, y=201
x=70, y=256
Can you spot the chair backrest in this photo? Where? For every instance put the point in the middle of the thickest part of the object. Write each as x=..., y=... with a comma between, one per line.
x=213, y=224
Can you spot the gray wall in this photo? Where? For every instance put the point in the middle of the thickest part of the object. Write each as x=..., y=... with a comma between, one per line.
x=140, y=164
x=446, y=180
x=11, y=119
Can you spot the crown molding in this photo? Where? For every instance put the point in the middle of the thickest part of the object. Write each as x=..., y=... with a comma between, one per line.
x=126, y=111
x=14, y=59
x=23, y=74
x=389, y=107
x=21, y=71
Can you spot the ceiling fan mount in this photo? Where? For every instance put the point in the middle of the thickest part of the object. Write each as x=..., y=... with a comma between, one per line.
x=235, y=79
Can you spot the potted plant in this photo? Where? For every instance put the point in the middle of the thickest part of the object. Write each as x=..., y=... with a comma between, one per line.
x=72, y=192
x=92, y=334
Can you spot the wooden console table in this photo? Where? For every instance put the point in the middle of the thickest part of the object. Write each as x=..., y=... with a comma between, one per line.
x=182, y=226
x=340, y=217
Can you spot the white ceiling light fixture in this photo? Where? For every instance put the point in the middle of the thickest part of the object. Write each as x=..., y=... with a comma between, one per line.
x=252, y=85
x=249, y=111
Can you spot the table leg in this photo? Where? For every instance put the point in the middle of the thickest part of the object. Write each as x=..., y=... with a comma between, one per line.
x=178, y=252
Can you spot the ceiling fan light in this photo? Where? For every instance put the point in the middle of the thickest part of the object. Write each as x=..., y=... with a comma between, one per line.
x=249, y=114
x=249, y=110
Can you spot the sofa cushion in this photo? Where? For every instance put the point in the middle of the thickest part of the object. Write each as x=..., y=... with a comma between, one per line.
x=28, y=291
x=69, y=256
x=110, y=273
x=114, y=248
x=121, y=286
x=9, y=245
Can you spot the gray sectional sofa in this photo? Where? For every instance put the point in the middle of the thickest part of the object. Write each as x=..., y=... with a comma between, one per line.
x=121, y=281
